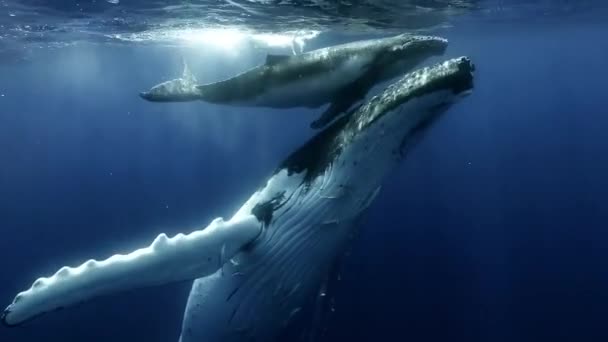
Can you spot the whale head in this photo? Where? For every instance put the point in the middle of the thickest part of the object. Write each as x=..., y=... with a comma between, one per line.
x=404, y=45
x=400, y=54
x=408, y=44
x=367, y=141
x=410, y=104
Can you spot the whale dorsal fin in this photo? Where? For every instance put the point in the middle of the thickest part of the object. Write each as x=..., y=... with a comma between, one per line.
x=274, y=59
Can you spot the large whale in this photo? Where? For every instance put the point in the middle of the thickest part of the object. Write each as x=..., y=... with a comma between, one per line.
x=341, y=75
x=257, y=270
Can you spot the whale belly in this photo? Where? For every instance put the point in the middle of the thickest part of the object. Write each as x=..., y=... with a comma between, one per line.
x=257, y=300
x=254, y=296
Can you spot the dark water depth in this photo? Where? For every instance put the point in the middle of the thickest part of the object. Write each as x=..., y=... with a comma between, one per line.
x=493, y=229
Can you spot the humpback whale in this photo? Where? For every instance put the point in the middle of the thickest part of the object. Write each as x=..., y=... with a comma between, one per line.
x=340, y=75
x=256, y=270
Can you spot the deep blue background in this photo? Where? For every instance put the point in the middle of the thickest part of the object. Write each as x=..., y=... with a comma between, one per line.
x=493, y=229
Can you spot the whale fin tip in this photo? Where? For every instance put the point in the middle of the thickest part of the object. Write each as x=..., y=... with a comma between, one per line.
x=166, y=260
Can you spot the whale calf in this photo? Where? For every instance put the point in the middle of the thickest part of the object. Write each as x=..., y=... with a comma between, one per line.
x=255, y=271
x=340, y=75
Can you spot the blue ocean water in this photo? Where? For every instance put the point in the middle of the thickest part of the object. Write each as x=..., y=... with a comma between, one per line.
x=492, y=229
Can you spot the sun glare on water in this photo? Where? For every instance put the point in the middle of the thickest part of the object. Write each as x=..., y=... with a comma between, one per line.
x=231, y=38
x=228, y=39
x=220, y=38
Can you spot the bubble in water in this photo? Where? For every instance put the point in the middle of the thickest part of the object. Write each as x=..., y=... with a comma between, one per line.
x=115, y=2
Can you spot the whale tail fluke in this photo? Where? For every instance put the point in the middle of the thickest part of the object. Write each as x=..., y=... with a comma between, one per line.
x=166, y=260
x=187, y=75
x=181, y=89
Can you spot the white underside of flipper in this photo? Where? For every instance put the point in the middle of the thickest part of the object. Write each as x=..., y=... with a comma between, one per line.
x=166, y=260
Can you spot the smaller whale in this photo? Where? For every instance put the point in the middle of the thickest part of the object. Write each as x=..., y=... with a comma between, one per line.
x=341, y=75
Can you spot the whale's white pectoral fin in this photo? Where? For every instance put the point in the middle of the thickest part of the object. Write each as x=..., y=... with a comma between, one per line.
x=166, y=260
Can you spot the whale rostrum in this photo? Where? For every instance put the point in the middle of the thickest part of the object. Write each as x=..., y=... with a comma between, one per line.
x=339, y=75
x=273, y=255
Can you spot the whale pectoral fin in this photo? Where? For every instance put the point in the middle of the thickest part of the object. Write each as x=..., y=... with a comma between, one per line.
x=344, y=100
x=166, y=260
x=334, y=110
x=274, y=59
x=328, y=115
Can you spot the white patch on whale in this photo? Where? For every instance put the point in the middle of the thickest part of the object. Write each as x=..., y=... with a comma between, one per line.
x=166, y=260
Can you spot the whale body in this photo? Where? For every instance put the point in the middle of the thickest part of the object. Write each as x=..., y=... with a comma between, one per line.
x=340, y=75
x=254, y=272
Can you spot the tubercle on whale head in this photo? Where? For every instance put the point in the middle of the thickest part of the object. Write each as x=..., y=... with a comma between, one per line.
x=381, y=132
x=402, y=109
x=442, y=83
x=407, y=51
x=431, y=45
